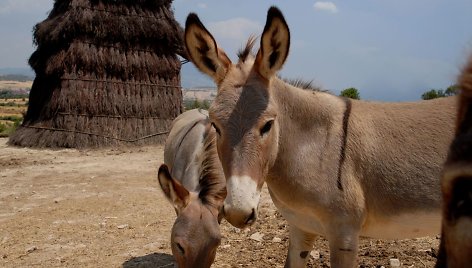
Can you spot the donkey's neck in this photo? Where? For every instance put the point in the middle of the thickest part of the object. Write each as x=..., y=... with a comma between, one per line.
x=311, y=127
x=306, y=108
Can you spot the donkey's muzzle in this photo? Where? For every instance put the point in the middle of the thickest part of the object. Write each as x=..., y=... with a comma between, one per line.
x=240, y=218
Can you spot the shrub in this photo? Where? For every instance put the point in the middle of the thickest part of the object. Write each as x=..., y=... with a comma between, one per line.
x=196, y=103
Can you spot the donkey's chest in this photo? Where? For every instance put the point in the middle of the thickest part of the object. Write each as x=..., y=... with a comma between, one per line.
x=296, y=214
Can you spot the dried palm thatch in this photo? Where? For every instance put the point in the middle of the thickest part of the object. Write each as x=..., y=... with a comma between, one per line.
x=107, y=74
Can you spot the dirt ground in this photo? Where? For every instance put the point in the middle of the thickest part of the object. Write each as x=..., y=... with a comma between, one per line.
x=103, y=208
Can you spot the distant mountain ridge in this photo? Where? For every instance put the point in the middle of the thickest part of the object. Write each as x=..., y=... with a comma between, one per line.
x=25, y=72
x=15, y=77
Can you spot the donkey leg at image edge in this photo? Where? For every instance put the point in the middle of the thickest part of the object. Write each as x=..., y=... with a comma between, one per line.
x=299, y=248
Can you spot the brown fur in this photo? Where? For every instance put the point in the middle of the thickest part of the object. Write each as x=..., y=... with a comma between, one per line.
x=456, y=182
x=371, y=169
x=193, y=181
x=212, y=186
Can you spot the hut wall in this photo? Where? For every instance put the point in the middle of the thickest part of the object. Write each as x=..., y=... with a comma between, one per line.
x=107, y=73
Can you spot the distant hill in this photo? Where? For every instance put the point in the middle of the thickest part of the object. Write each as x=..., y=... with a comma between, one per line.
x=26, y=72
x=15, y=77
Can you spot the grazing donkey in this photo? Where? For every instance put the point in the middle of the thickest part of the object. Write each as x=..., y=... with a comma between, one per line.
x=333, y=166
x=192, y=179
x=456, y=241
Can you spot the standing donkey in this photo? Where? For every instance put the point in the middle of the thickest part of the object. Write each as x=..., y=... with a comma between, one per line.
x=456, y=240
x=192, y=180
x=335, y=167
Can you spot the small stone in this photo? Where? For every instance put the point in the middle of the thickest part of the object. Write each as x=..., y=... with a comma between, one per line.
x=102, y=224
x=123, y=226
x=315, y=254
x=257, y=237
x=226, y=246
x=382, y=266
x=31, y=249
x=276, y=240
x=4, y=256
x=395, y=263
x=235, y=230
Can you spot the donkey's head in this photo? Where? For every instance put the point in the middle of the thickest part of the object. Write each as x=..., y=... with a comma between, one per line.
x=196, y=233
x=243, y=113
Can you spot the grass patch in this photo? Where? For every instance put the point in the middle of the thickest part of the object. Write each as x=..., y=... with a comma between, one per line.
x=9, y=125
x=10, y=104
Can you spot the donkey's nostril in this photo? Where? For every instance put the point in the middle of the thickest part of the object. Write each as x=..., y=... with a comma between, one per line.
x=252, y=218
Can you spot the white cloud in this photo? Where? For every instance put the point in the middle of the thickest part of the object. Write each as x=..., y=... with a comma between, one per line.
x=232, y=34
x=326, y=6
x=202, y=5
x=237, y=29
x=26, y=6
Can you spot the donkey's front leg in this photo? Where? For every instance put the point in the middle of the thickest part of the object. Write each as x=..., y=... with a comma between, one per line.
x=300, y=245
x=343, y=246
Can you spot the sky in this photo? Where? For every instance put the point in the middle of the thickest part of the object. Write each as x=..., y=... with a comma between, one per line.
x=390, y=50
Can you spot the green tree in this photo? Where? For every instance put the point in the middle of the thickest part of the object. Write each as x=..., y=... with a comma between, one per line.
x=452, y=90
x=433, y=94
x=351, y=92
x=439, y=93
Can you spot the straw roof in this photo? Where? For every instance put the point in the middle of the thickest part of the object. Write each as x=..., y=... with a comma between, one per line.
x=107, y=73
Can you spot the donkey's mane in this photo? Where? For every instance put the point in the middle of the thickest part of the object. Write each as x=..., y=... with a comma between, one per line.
x=246, y=51
x=212, y=181
x=303, y=84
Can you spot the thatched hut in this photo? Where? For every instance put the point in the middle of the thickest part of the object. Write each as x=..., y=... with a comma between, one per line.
x=107, y=73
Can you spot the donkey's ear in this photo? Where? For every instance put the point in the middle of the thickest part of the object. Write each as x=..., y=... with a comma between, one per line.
x=203, y=51
x=275, y=43
x=173, y=190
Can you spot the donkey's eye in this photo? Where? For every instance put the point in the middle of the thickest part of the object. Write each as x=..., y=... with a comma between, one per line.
x=216, y=128
x=267, y=127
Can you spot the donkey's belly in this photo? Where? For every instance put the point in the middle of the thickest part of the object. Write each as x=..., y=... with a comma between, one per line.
x=403, y=226
x=398, y=226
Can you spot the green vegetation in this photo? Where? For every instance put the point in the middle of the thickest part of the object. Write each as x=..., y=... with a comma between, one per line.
x=439, y=93
x=12, y=94
x=10, y=104
x=14, y=118
x=8, y=127
x=196, y=103
x=351, y=92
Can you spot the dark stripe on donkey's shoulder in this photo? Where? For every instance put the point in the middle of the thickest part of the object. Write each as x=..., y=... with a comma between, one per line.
x=342, y=156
